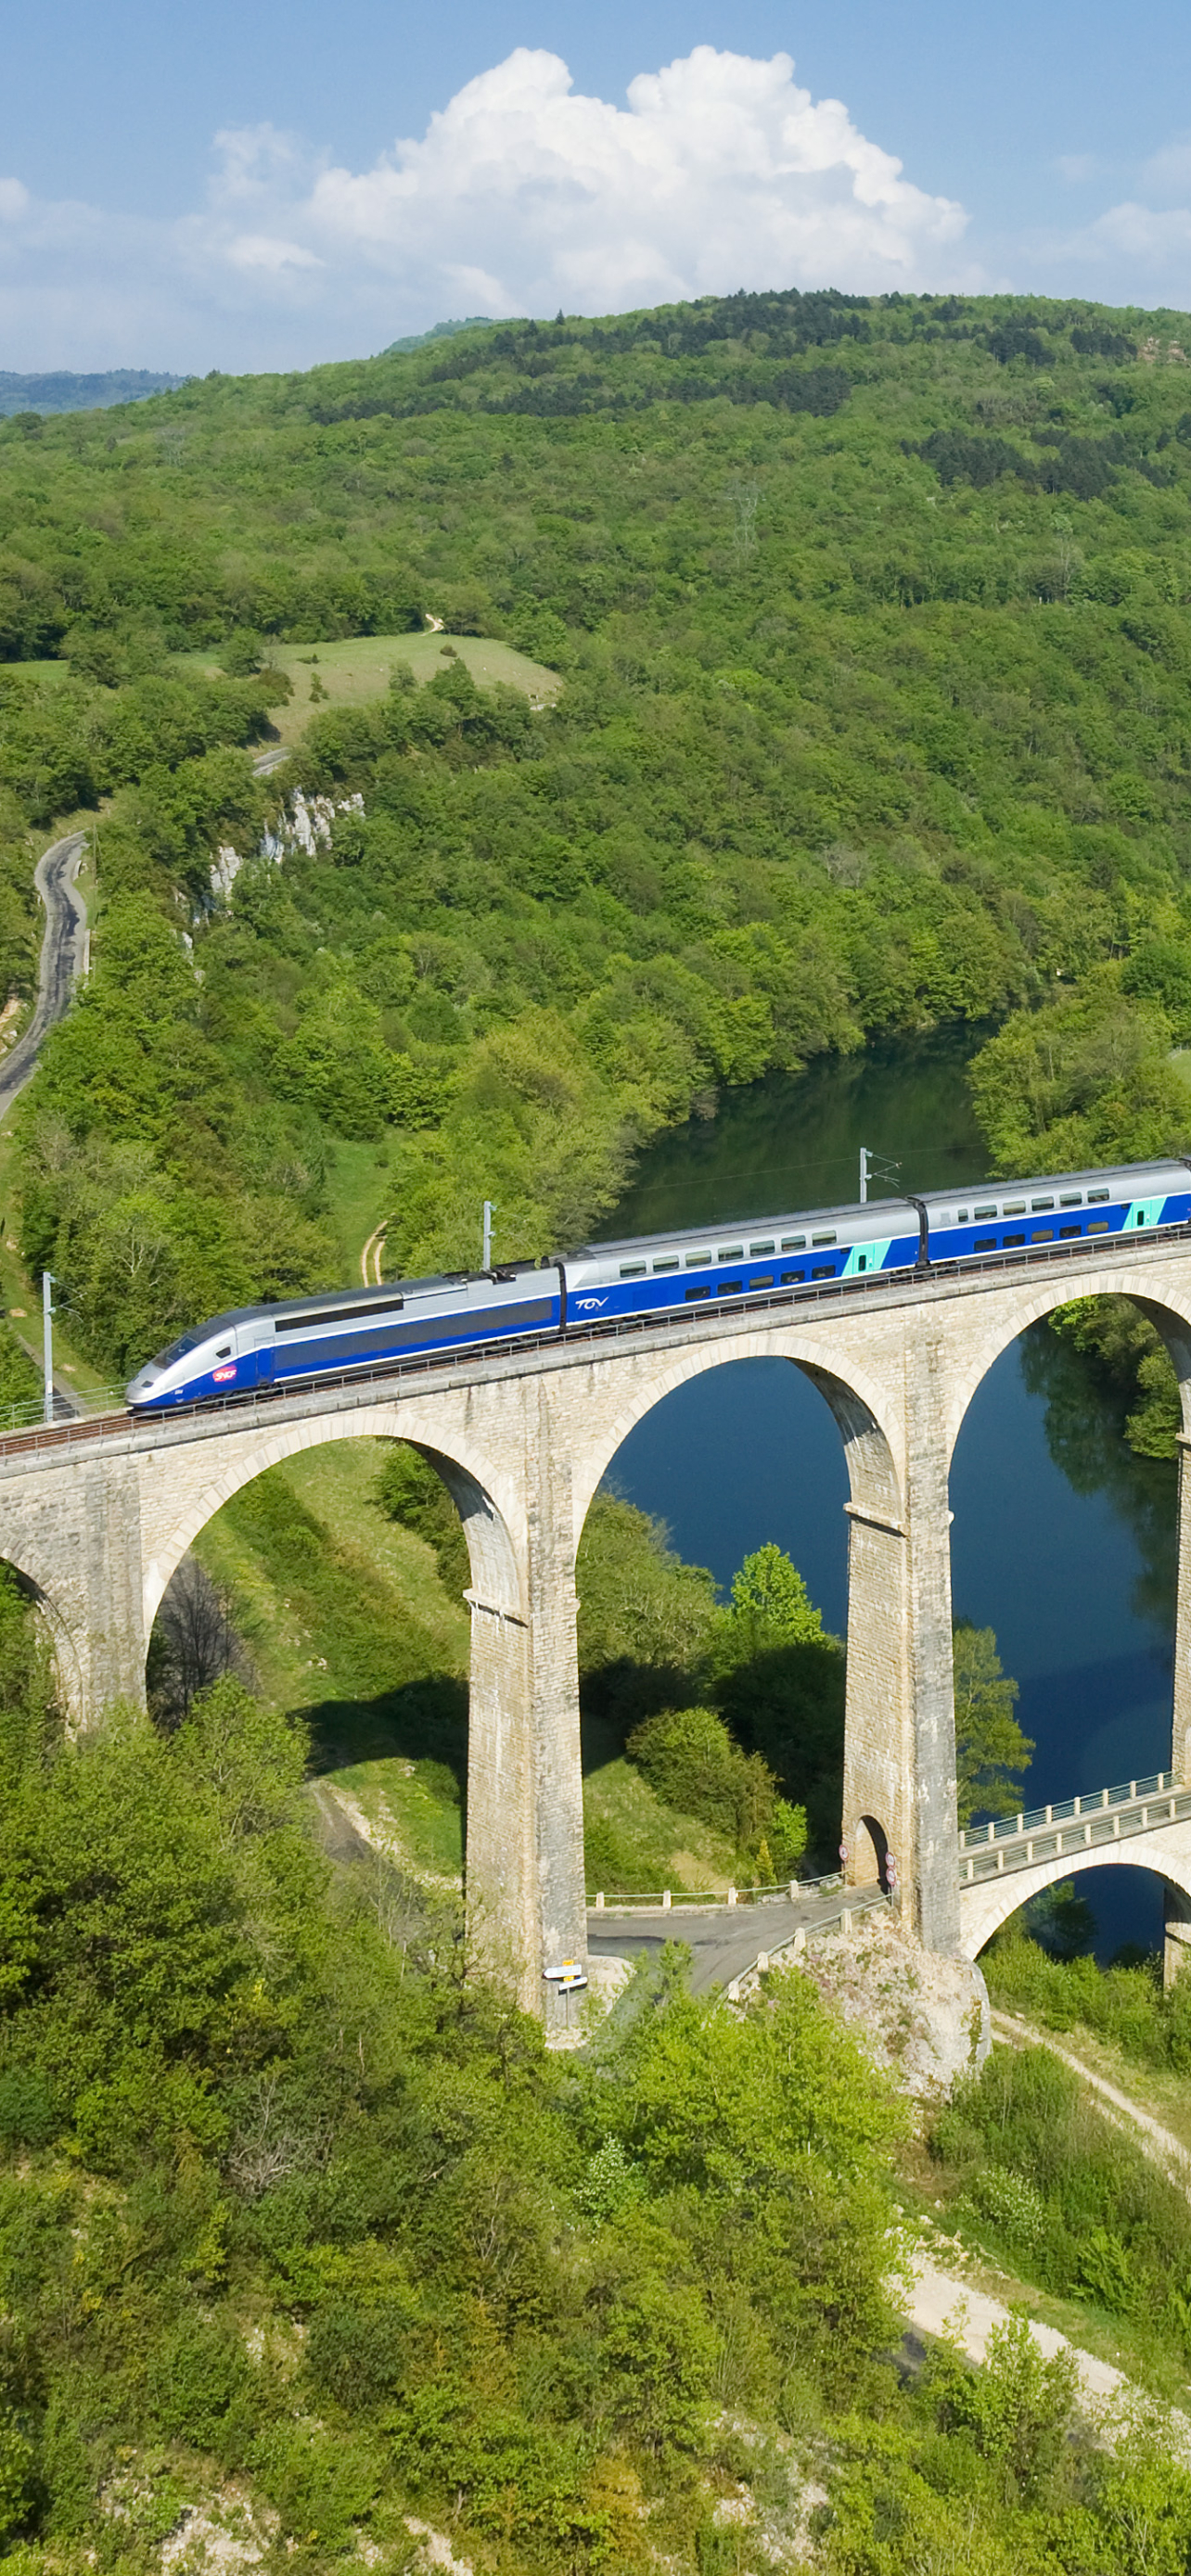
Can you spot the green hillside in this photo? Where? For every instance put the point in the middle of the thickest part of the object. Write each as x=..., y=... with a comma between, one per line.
x=871, y=623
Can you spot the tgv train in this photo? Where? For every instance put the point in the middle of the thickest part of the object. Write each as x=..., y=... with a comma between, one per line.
x=684, y=1273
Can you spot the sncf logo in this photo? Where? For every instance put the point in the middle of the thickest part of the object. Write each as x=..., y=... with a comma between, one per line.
x=221, y=1376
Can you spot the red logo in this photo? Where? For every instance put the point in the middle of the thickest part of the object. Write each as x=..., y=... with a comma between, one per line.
x=221, y=1376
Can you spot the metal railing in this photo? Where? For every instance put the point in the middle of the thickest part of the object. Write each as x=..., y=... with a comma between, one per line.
x=1073, y=1825
x=1065, y=1810
x=664, y=1900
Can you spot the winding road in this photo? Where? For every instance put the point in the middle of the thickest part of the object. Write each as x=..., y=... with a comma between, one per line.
x=64, y=950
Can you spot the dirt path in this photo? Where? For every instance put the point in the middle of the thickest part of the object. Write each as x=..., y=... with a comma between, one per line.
x=1159, y=2144
x=941, y=2305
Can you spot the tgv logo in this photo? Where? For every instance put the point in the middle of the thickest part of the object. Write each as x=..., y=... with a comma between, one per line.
x=588, y=1305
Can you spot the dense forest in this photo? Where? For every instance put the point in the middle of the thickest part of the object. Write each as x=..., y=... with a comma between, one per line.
x=870, y=619
x=871, y=623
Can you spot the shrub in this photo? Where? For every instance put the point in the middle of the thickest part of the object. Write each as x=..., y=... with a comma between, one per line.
x=691, y=1761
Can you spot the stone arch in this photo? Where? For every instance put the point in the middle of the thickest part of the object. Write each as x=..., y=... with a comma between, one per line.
x=870, y=1856
x=59, y=1635
x=864, y=1406
x=481, y=1455
x=857, y=1400
x=1001, y=1321
x=1006, y=1317
x=989, y=1902
x=473, y=1480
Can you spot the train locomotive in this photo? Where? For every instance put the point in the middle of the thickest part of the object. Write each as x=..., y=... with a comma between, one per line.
x=687, y=1272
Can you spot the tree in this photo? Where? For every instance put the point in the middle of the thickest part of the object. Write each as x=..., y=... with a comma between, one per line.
x=769, y=1595
x=990, y=1748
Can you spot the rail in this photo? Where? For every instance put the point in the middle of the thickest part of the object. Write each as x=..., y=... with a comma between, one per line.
x=1073, y=1825
x=261, y=1402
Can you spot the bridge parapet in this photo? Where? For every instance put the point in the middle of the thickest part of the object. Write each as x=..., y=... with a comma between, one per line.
x=1071, y=1826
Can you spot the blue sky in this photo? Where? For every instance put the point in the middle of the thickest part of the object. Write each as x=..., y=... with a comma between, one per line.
x=259, y=185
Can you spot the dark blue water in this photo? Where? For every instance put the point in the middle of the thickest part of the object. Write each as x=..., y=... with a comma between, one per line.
x=1071, y=1563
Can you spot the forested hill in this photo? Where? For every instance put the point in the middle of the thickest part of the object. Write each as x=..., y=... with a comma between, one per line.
x=872, y=618
x=62, y=391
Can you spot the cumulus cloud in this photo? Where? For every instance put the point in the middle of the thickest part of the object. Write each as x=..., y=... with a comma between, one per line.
x=721, y=172
x=521, y=195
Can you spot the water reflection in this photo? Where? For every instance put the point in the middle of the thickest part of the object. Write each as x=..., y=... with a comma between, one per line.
x=1063, y=1542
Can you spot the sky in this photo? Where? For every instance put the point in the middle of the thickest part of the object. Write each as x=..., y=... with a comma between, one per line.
x=264, y=186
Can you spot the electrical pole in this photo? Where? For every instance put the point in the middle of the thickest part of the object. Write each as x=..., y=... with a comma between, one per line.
x=489, y=1212
x=47, y=1340
x=864, y=1163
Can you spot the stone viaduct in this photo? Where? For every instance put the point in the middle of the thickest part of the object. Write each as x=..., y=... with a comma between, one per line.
x=96, y=1517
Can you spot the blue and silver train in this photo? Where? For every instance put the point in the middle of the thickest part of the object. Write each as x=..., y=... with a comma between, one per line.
x=687, y=1272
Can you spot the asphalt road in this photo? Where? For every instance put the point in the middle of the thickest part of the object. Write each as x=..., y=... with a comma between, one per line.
x=725, y=1939
x=63, y=955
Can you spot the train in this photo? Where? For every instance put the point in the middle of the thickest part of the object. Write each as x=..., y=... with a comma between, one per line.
x=689, y=1271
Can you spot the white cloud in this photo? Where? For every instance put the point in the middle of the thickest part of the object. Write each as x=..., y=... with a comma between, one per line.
x=14, y=200
x=263, y=250
x=720, y=173
x=1131, y=254
x=522, y=195
x=1167, y=173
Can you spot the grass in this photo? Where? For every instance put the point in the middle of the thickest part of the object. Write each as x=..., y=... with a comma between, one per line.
x=359, y=668
x=1156, y=2089
x=636, y=1845
x=1113, y=2339
x=359, y=1191
x=347, y=1621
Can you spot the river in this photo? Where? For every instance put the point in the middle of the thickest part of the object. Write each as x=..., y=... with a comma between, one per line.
x=1062, y=1541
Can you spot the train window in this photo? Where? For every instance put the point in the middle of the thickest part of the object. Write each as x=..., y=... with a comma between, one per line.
x=1043, y=1234
x=1075, y=1200
x=793, y=1278
x=793, y=1243
x=225, y=1351
x=961, y=1216
x=692, y=1293
x=1068, y=1229
x=826, y=1271
x=734, y=1252
x=728, y=1287
x=761, y=1279
x=695, y=1260
x=756, y=1248
x=1097, y=1198
x=1013, y=1242
x=665, y=1265
x=817, y=1239
x=1098, y=1225
x=986, y=1243
x=1037, y=1205
x=984, y=1212
x=1014, y=1207
x=633, y=1270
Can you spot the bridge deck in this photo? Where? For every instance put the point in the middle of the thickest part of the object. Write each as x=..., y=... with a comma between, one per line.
x=1074, y=1826
x=577, y=1344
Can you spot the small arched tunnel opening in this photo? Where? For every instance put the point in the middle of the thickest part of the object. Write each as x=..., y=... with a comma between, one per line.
x=712, y=1584
x=332, y=1585
x=1064, y=1491
x=870, y=1855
